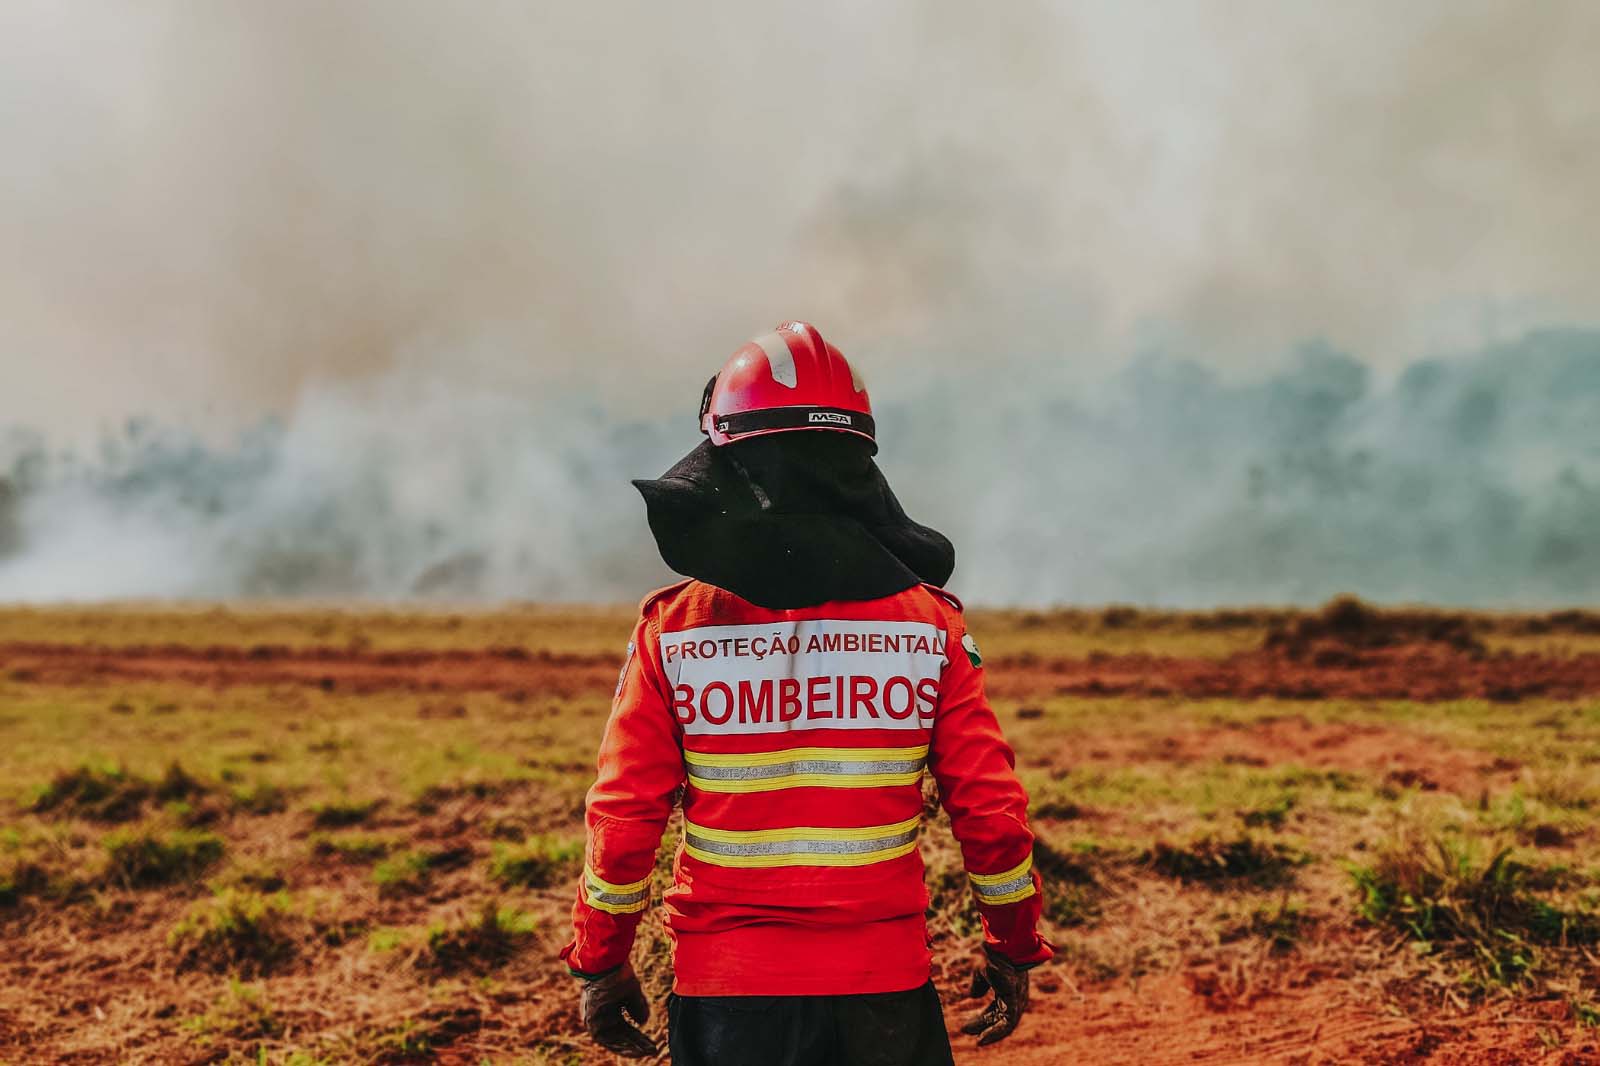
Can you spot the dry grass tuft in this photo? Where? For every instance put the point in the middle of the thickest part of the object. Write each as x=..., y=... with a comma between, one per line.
x=1462, y=900
x=488, y=940
x=539, y=862
x=1218, y=862
x=239, y=932
x=146, y=859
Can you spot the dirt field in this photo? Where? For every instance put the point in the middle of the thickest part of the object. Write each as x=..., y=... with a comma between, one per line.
x=289, y=838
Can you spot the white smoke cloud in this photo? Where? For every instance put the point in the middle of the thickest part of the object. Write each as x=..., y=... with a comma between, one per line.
x=532, y=230
x=1473, y=481
x=204, y=208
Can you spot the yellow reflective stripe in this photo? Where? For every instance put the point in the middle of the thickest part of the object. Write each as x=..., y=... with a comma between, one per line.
x=769, y=758
x=616, y=908
x=1009, y=897
x=1010, y=875
x=802, y=845
x=770, y=784
x=803, y=832
x=864, y=858
x=606, y=886
x=602, y=895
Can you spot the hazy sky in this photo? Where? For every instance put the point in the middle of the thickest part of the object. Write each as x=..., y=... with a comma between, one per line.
x=206, y=205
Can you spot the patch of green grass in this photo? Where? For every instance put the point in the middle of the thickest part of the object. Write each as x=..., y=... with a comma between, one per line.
x=486, y=941
x=387, y=939
x=106, y=793
x=430, y=798
x=259, y=798
x=112, y=794
x=239, y=931
x=1217, y=861
x=342, y=814
x=404, y=873
x=1454, y=895
x=240, y=1013
x=1269, y=815
x=352, y=847
x=144, y=859
x=257, y=875
x=539, y=862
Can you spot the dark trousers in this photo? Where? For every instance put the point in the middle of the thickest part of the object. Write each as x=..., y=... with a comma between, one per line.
x=882, y=1029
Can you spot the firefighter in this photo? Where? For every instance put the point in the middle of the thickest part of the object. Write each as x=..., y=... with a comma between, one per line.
x=792, y=693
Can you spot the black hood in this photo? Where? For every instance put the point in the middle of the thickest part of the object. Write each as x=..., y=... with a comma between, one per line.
x=791, y=520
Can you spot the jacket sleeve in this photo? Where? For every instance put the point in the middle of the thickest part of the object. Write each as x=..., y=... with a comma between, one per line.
x=640, y=769
x=988, y=807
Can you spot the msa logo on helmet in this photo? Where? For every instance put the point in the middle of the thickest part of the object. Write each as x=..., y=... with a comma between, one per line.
x=832, y=418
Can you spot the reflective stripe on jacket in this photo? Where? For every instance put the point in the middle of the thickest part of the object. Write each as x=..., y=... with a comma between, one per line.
x=799, y=739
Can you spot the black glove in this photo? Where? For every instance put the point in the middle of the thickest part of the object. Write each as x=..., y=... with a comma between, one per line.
x=1009, y=983
x=601, y=1005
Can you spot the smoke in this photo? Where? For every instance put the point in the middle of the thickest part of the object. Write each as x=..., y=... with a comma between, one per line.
x=1474, y=480
x=457, y=264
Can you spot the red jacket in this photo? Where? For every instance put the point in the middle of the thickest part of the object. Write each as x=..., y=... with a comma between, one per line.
x=799, y=738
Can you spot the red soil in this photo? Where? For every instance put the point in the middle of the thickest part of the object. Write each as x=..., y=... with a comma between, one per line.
x=1422, y=671
x=107, y=988
x=1197, y=1020
x=491, y=669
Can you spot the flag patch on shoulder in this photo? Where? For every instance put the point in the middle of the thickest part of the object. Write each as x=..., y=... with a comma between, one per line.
x=971, y=647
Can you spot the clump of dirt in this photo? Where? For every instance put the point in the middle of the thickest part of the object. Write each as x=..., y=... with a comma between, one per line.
x=21, y=879
x=1338, y=634
x=485, y=942
x=147, y=859
x=240, y=932
x=111, y=794
x=1218, y=862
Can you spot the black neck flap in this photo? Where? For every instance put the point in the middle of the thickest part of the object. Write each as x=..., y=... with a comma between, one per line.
x=791, y=520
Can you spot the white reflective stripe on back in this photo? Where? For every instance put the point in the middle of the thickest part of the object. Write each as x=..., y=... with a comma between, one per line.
x=824, y=673
x=780, y=358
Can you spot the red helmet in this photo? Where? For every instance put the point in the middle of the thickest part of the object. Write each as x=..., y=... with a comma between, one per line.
x=785, y=380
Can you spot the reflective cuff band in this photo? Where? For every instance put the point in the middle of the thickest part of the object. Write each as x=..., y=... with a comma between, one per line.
x=806, y=767
x=615, y=899
x=1008, y=887
x=802, y=845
